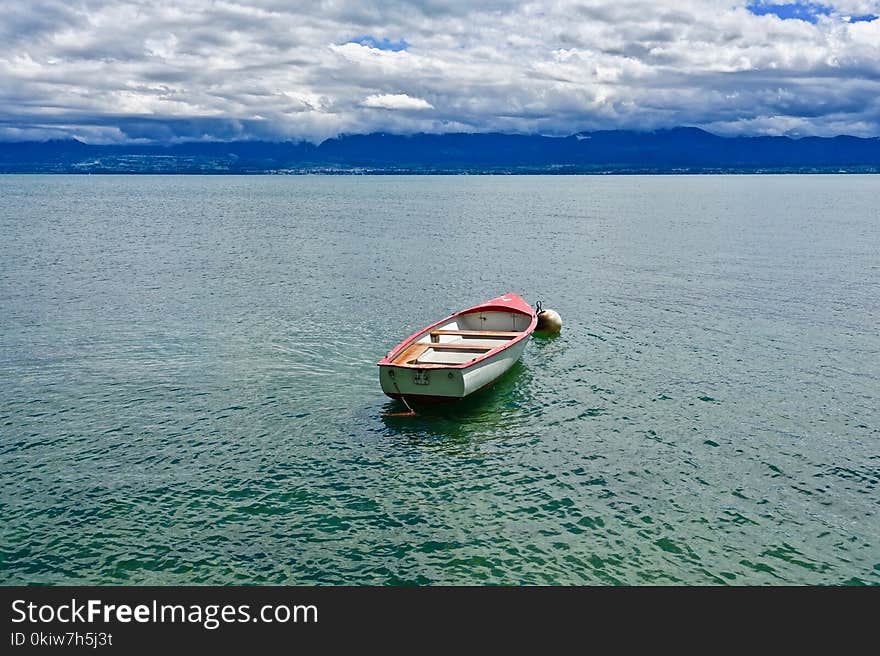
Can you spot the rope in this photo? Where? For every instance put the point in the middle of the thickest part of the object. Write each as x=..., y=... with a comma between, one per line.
x=402, y=397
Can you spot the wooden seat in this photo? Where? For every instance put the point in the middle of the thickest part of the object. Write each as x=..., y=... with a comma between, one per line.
x=490, y=334
x=412, y=352
x=459, y=346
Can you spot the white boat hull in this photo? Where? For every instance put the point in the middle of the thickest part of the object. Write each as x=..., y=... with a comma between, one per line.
x=451, y=383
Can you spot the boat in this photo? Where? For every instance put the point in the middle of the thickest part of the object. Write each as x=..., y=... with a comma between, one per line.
x=459, y=355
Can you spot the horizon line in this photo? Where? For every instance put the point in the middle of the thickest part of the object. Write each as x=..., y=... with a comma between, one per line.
x=385, y=133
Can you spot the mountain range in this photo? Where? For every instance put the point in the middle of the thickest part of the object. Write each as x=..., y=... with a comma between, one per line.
x=677, y=150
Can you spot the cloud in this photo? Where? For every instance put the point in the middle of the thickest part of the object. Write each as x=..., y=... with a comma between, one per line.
x=395, y=101
x=166, y=70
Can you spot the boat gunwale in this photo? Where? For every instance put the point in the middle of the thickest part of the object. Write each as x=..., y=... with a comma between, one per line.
x=492, y=305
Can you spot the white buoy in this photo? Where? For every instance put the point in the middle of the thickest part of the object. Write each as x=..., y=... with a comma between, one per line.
x=549, y=321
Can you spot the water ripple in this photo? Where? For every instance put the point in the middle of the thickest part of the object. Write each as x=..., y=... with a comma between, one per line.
x=189, y=390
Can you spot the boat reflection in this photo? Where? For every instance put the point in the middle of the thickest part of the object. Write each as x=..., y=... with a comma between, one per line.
x=507, y=404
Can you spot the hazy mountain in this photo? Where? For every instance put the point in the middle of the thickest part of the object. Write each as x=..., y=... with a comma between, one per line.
x=674, y=150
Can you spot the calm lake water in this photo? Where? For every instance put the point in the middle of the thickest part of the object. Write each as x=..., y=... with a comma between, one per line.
x=188, y=389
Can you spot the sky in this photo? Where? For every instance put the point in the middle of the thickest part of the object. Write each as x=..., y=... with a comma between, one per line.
x=157, y=71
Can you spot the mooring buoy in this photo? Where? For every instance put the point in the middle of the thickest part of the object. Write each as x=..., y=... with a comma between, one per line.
x=549, y=321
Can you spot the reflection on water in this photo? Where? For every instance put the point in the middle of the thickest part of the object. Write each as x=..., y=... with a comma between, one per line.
x=494, y=411
x=190, y=393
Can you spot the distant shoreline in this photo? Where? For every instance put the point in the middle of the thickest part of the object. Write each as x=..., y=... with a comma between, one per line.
x=448, y=173
x=677, y=151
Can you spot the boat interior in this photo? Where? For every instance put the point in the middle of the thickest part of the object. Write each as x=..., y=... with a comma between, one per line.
x=464, y=338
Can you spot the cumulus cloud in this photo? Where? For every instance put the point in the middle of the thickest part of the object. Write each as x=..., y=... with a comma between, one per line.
x=171, y=70
x=395, y=101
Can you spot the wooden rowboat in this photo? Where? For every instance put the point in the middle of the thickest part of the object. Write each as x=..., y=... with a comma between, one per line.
x=461, y=354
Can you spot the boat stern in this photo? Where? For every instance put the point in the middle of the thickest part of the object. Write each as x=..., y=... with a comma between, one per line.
x=416, y=382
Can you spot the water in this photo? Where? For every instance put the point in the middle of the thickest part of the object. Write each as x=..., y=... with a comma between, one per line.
x=188, y=390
